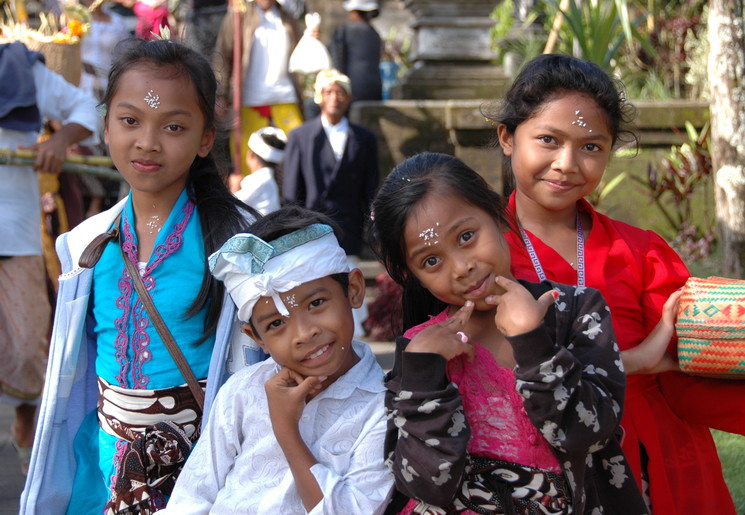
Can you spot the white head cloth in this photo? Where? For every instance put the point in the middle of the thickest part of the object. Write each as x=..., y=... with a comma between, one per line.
x=263, y=149
x=360, y=5
x=326, y=78
x=252, y=268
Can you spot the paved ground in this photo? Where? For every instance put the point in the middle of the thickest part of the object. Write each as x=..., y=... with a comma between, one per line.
x=11, y=480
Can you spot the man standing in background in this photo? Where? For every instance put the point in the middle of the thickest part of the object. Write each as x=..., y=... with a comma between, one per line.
x=269, y=94
x=331, y=166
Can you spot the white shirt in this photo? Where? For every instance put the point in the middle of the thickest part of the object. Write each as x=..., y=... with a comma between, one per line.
x=97, y=49
x=260, y=191
x=267, y=81
x=237, y=465
x=337, y=135
x=20, y=211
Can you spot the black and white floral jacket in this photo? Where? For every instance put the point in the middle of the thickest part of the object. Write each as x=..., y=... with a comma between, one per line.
x=571, y=378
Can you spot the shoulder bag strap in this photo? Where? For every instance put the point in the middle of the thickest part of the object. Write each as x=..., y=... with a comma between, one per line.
x=163, y=331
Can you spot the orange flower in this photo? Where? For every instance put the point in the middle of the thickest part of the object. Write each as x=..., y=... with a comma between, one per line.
x=75, y=28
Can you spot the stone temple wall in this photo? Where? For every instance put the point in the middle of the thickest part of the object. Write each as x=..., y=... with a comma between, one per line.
x=458, y=127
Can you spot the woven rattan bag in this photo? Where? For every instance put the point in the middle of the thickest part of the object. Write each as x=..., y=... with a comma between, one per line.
x=711, y=328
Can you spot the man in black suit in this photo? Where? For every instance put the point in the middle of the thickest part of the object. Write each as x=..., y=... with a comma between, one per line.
x=330, y=164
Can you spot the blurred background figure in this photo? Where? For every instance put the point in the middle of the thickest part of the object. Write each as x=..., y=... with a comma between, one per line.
x=29, y=92
x=331, y=166
x=309, y=57
x=356, y=48
x=151, y=16
x=107, y=30
x=266, y=149
x=269, y=94
x=201, y=24
x=295, y=8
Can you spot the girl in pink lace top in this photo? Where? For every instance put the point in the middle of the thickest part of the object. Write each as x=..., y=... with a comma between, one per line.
x=509, y=399
x=500, y=427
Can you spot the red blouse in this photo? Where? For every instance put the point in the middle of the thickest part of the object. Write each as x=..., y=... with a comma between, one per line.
x=636, y=271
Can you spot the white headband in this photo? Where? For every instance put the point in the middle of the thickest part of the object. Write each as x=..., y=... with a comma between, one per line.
x=262, y=149
x=326, y=78
x=252, y=268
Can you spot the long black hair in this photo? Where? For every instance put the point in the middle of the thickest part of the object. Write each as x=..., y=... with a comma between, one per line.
x=545, y=77
x=221, y=214
x=402, y=190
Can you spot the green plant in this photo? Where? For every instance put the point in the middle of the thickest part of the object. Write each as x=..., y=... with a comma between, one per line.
x=648, y=84
x=503, y=22
x=671, y=186
x=396, y=48
x=696, y=48
x=604, y=189
x=520, y=41
x=731, y=449
x=677, y=31
x=596, y=30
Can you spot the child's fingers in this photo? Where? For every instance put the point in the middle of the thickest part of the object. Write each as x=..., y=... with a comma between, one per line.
x=443, y=340
x=506, y=284
x=460, y=318
x=462, y=345
x=547, y=299
x=670, y=308
x=673, y=300
x=310, y=384
x=468, y=349
x=286, y=378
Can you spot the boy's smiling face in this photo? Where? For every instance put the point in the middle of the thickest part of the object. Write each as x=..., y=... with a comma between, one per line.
x=315, y=340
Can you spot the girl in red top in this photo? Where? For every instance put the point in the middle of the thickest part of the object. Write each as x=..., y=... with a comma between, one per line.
x=557, y=127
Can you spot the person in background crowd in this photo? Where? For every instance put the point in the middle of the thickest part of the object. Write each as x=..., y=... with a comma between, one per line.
x=201, y=24
x=331, y=166
x=29, y=92
x=151, y=16
x=295, y=8
x=270, y=95
x=107, y=29
x=266, y=149
x=356, y=48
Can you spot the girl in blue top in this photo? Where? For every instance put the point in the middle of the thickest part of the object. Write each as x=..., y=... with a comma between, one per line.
x=159, y=126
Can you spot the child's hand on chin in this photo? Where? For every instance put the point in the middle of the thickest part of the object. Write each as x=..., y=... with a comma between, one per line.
x=287, y=393
x=517, y=311
x=446, y=338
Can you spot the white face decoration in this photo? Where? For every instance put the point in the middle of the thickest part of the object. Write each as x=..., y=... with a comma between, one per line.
x=290, y=301
x=430, y=235
x=580, y=121
x=152, y=99
x=154, y=224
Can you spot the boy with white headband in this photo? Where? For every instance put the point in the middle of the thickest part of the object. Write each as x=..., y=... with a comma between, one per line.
x=302, y=431
x=258, y=189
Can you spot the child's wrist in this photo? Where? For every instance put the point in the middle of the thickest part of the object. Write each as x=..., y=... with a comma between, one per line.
x=287, y=435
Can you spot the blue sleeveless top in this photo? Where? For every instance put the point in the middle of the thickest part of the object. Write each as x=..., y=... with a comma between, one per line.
x=130, y=353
